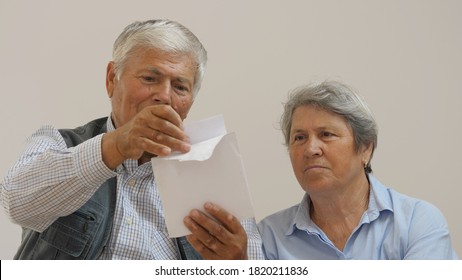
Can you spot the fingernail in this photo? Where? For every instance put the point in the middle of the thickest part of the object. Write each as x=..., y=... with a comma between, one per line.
x=186, y=147
x=193, y=213
x=166, y=151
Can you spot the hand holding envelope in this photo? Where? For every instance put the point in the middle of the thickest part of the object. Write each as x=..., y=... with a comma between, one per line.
x=211, y=172
x=221, y=237
x=210, y=178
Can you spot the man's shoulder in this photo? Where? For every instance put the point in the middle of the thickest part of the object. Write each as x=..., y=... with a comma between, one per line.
x=75, y=136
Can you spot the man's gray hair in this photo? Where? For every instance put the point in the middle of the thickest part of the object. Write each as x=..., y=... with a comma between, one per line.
x=164, y=35
x=337, y=98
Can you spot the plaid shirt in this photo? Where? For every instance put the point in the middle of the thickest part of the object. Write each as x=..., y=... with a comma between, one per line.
x=51, y=180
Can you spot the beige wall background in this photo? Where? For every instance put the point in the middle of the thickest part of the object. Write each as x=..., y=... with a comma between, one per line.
x=403, y=56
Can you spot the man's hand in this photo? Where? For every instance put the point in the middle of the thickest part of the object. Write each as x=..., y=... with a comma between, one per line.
x=223, y=238
x=155, y=130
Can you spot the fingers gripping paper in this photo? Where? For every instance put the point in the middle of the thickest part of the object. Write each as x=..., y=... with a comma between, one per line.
x=212, y=171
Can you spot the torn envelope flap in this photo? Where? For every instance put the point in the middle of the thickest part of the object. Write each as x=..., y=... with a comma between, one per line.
x=200, y=151
x=202, y=130
x=204, y=136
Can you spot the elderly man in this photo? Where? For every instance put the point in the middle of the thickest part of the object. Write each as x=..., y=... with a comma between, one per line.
x=89, y=192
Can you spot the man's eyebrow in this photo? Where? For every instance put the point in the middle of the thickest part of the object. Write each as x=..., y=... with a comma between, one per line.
x=183, y=80
x=154, y=70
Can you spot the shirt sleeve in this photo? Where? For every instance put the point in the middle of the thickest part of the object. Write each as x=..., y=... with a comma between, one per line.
x=254, y=242
x=429, y=237
x=50, y=180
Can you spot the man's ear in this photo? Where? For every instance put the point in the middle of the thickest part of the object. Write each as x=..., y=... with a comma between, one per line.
x=110, y=78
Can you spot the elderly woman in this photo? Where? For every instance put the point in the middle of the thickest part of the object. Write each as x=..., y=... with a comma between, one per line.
x=346, y=213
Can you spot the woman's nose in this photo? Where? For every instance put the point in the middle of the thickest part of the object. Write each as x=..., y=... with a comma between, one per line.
x=313, y=147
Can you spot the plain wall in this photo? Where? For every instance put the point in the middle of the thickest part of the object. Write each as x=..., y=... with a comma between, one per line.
x=404, y=57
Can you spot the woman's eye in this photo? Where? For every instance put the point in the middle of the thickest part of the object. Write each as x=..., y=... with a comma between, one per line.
x=299, y=138
x=327, y=134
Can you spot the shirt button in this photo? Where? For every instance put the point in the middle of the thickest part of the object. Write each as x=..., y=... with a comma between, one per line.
x=129, y=221
x=131, y=182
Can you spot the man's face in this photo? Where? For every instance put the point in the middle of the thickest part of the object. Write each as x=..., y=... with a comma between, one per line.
x=151, y=77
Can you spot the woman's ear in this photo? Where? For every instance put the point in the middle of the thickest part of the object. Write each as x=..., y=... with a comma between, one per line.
x=366, y=153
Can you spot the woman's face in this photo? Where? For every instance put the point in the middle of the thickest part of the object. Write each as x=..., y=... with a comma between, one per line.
x=322, y=151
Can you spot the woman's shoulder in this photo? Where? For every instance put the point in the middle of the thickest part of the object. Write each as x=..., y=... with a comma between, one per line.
x=402, y=204
x=281, y=219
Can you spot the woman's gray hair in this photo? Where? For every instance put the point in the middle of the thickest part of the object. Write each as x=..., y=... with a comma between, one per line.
x=337, y=98
x=164, y=35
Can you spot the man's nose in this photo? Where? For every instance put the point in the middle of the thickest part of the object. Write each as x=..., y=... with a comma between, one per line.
x=162, y=93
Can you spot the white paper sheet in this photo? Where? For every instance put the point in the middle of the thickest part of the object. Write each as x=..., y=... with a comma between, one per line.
x=212, y=171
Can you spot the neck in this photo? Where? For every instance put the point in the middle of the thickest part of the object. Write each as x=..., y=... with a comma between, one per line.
x=342, y=203
x=339, y=209
x=338, y=215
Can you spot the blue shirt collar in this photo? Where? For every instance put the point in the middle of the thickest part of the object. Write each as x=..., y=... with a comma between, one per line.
x=378, y=202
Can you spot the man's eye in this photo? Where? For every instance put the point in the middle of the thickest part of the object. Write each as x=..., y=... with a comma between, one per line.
x=181, y=88
x=148, y=79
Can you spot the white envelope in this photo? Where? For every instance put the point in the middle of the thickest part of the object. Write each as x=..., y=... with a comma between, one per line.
x=212, y=171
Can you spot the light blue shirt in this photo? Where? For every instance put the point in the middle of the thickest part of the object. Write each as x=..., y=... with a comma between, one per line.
x=394, y=227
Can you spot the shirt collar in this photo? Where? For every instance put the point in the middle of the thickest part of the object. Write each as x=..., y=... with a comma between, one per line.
x=379, y=200
x=109, y=124
x=302, y=219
